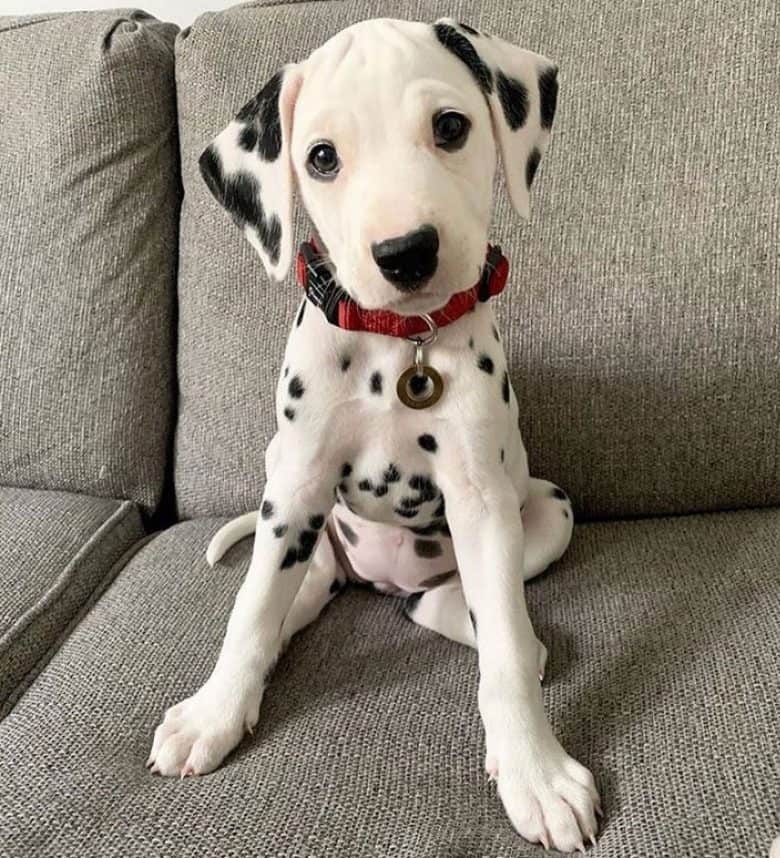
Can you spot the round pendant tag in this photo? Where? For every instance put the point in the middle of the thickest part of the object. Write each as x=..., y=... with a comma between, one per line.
x=419, y=387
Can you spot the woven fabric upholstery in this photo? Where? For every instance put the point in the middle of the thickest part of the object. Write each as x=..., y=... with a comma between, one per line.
x=642, y=314
x=55, y=550
x=89, y=198
x=664, y=645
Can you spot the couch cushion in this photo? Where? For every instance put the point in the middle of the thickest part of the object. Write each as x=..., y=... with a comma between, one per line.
x=642, y=315
x=55, y=551
x=89, y=194
x=664, y=646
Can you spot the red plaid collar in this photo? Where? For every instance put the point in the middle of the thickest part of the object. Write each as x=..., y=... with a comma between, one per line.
x=344, y=312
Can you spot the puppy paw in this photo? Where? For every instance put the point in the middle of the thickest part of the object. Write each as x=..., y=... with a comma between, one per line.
x=197, y=734
x=552, y=801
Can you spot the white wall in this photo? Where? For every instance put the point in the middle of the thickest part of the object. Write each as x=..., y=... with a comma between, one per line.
x=181, y=12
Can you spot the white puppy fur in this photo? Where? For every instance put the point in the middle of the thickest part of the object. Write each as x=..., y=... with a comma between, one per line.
x=373, y=93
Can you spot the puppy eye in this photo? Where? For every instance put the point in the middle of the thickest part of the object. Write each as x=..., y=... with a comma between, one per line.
x=322, y=161
x=450, y=130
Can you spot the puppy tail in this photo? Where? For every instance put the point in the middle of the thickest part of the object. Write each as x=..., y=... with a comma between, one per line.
x=229, y=535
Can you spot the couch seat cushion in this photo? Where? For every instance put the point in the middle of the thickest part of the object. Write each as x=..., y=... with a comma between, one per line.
x=55, y=550
x=664, y=645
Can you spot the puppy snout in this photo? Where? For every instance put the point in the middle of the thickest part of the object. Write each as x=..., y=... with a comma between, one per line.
x=408, y=261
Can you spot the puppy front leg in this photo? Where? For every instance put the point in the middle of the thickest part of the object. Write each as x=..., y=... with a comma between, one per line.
x=549, y=797
x=199, y=732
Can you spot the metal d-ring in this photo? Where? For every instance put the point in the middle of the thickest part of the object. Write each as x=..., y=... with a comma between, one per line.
x=419, y=369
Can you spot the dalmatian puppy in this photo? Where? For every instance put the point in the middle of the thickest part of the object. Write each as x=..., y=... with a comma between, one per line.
x=391, y=133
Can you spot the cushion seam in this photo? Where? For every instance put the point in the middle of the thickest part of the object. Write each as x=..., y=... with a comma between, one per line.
x=65, y=577
x=7, y=704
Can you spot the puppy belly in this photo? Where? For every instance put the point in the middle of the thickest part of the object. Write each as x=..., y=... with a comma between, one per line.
x=394, y=559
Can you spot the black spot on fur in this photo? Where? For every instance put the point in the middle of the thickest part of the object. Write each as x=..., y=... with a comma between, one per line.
x=335, y=586
x=266, y=510
x=348, y=533
x=502, y=456
x=439, y=513
x=263, y=112
x=345, y=362
x=411, y=603
x=289, y=413
x=392, y=474
x=428, y=443
x=560, y=494
x=346, y=470
x=471, y=342
x=505, y=387
x=295, y=387
x=548, y=96
x=532, y=166
x=299, y=318
x=379, y=491
x=437, y=580
x=376, y=382
x=286, y=371
x=240, y=195
x=427, y=548
x=462, y=48
x=514, y=100
x=467, y=29
x=485, y=363
x=247, y=139
x=306, y=542
x=280, y=530
x=410, y=503
x=343, y=488
x=366, y=486
x=425, y=486
x=290, y=558
x=473, y=620
x=316, y=522
x=405, y=513
x=495, y=334
x=566, y=513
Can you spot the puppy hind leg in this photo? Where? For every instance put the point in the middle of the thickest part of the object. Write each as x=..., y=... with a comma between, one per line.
x=324, y=580
x=443, y=610
x=548, y=522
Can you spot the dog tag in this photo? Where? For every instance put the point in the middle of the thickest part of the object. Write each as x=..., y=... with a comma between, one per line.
x=421, y=386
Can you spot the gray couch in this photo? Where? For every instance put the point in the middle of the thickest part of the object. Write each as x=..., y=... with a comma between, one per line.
x=139, y=346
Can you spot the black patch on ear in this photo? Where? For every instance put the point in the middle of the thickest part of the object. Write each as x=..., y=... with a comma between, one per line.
x=459, y=45
x=532, y=166
x=467, y=29
x=240, y=195
x=247, y=139
x=548, y=96
x=514, y=100
x=263, y=114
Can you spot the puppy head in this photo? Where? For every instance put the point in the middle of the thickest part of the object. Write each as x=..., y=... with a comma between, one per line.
x=390, y=132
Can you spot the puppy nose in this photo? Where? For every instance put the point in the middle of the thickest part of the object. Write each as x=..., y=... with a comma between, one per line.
x=409, y=260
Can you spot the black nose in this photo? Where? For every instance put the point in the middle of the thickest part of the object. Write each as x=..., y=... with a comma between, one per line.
x=409, y=260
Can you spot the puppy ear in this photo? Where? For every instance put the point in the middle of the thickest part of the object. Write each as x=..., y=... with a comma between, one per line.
x=521, y=89
x=247, y=168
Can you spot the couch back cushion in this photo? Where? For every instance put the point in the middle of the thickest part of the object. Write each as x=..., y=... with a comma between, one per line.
x=641, y=321
x=89, y=195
